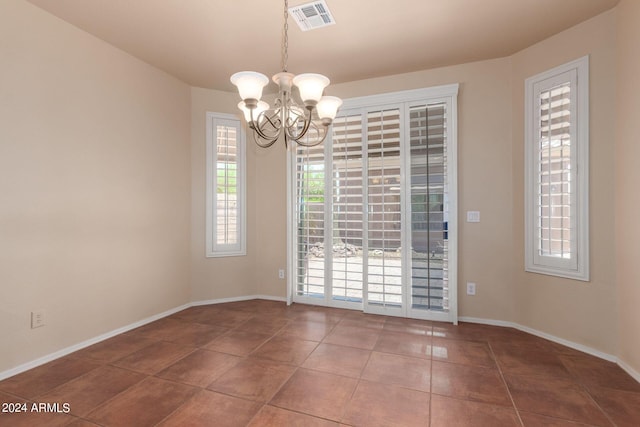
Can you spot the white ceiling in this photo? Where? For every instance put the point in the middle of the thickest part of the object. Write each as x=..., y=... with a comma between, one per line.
x=203, y=42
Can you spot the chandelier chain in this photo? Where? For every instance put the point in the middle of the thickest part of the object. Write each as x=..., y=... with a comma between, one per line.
x=285, y=44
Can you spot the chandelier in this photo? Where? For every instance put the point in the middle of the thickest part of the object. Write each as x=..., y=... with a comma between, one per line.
x=308, y=124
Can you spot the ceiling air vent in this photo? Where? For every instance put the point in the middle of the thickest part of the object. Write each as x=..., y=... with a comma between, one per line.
x=310, y=16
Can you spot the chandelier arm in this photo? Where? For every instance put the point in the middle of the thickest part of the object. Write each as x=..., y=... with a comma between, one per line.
x=259, y=133
x=303, y=132
x=258, y=129
x=274, y=120
x=321, y=131
x=269, y=141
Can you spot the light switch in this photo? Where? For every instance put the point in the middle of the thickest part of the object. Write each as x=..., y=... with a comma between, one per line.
x=473, y=216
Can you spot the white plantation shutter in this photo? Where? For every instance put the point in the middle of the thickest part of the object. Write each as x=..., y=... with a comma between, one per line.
x=557, y=172
x=225, y=179
x=555, y=226
x=347, y=222
x=225, y=217
x=384, y=201
x=310, y=219
x=429, y=186
x=357, y=240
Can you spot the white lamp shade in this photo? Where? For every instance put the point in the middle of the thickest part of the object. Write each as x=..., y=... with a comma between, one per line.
x=311, y=86
x=250, y=84
x=328, y=107
x=262, y=106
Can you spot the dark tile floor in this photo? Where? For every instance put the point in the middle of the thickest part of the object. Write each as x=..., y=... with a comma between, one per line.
x=261, y=363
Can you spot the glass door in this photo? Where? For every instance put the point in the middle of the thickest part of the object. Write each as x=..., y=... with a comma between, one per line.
x=385, y=291
x=375, y=212
x=428, y=206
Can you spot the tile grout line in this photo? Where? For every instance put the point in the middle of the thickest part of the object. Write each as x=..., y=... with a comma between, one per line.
x=243, y=358
x=297, y=368
x=344, y=409
x=359, y=379
x=260, y=405
x=155, y=375
x=431, y=381
x=576, y=380
x=504, y=381
x=606, y=414
x=274, y=394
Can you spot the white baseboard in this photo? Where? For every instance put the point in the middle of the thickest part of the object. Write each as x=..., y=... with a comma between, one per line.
x=236, y=299
x=570, y=344
x=635, y=374
x=68, y=350
x=271, y=298
x=482, y=321
x=567, y=343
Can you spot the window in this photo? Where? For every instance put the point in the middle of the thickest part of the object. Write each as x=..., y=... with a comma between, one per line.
x=557, y=171
x=374, y=216
x=225, y=226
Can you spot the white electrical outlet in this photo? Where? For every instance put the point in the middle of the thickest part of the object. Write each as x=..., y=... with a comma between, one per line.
x=281, y=273
x=37, y=319
x=473, y=216
x=471, y=288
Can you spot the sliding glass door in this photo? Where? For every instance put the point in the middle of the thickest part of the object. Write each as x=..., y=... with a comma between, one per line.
x=374, y=210
x=428, y=195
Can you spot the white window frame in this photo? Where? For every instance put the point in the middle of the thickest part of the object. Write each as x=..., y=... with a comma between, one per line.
x=577, y=265
x=213, y=249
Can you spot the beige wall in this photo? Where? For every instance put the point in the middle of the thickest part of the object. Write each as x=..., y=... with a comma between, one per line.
x=491, y=171
x=491, y=180
x=227, y=277
x=257, y=272
x=627, y=153
x=94, y=186
x=271, y=219
x=102, y=202
x=485, y=183
x=582, y=312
